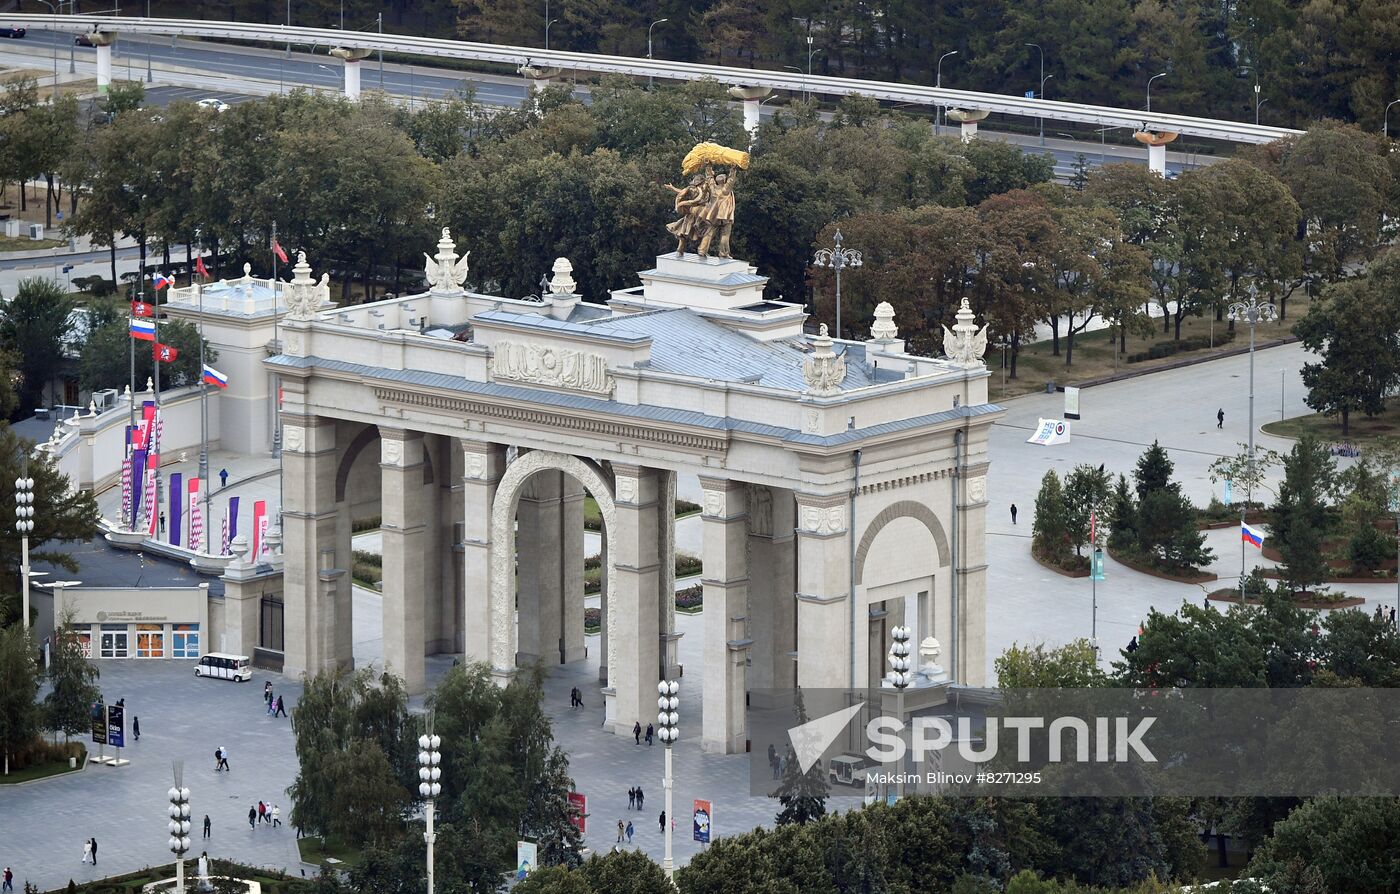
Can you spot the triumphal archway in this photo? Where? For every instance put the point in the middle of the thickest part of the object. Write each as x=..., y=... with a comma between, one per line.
x=843, y=481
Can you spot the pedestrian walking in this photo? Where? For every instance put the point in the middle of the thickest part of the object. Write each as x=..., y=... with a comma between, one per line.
x=276, y=815
x=218, y=759
x=136, y=727
x=271, y=707
x=661, y=823
x=1220, y=418
x=208, y=826
x=621, y=830
x=640, y=797
x=651, y=732
x=262, y=812
x=281, y=708
x=1013, y=513
x=87, y=852
x=223, y=478
x=267, y=691
x=637, y=731
x=223, y=758
x=631, y=798
x=629, y=831
x=94, y=852
x=162, y=524
x=9, y=884
x=252, y=817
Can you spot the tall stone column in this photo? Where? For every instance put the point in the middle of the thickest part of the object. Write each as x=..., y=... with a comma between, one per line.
x=666, y=578
x=539, y=595
x=403, y=533
x=483, y=463
x=772, y=588
x=571, y=642
x=603, y=609
x=972, y=602
x=352, y=57
x=315, y=606
x=824, y=625
x=634, y=653
x=727, y=642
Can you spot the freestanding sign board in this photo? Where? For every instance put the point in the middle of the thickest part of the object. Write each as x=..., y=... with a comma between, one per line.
x=578, y=810
x=116, y=726
x=99, y=724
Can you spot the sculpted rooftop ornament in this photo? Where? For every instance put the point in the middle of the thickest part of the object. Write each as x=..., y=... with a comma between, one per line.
x=965, y=344
x=824, y=370
x=884, y=328
x=563, y=281
x=446, y=272
x=706, y=204
x=304, y=296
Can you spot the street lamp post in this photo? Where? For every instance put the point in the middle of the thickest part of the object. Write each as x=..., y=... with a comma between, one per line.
x=938, y=82
x=668, y=719
x=649, y=27
x=546, y=32
x=1257, y=102
x=1385, y=129
x=179, y=825
x=837, y=259
x=24, y=524
x=899, y=675
x=430, y=774
x=1251, y=312
x=149, y=79
x=1041, y=94
x=1149, y=88
x=810, y=53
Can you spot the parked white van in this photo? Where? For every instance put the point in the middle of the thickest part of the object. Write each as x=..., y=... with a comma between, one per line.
x=221, y=666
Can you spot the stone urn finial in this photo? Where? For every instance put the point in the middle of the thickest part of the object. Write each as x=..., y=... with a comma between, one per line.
x=303, y=298
x=562, y=283
x=150, y=384
x=884, y=329
x=824, y=370
x=446, y=271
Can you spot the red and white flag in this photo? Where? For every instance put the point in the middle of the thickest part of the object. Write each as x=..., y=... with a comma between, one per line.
x=278, y=250
x=152, y=510
x=142, y=309
x=200, y=268
x=259, y=528
x=166, y=353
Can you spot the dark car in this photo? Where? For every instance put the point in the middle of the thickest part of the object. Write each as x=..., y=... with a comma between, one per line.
x=13, y=32
x=82, y=40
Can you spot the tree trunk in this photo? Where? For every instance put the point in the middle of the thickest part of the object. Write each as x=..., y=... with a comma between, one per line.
x=1054, y=335
x=1015, y=353
x=1346, y=420
x=48, y=202
x=189, y=261
x=1069, y=342
x=1122, y=338
x=1224, y=857
x=114, y=260
x=23, y=196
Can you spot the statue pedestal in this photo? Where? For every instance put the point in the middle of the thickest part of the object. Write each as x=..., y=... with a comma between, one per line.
x=708, y=283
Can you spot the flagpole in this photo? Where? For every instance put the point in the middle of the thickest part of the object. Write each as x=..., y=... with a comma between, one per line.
x=203, y=420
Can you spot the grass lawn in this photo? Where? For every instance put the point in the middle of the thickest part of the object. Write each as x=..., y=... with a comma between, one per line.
x=1364, y=431
x=24, y=243
x=40, y=771
x=1093, y=353
x=593, y=517
x=314, y=850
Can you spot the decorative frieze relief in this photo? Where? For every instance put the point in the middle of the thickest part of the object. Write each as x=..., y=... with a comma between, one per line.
x=977, y=489
x=474, y=466
x=537, y=364
x=821, y=519
x=293, y=438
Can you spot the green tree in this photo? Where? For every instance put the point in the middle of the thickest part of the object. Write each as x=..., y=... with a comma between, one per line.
x=1122, y=517
x=1300, y=515
x=1337, y=838
x=19, y=688
x=67, y=515
x=36, y=326
x=1196, y=647
x=554, y=880
x=1088, y=495
x=72, y=678
x=1246, y=473
x=802, y=795
x=1355, y=330
x=369, y=800
x=626, y=872
x=1166, y=527
x=1050, y=530
x=1071, y=666
x=1153, y=472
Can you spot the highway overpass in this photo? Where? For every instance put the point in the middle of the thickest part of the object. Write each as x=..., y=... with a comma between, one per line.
x=543, y=60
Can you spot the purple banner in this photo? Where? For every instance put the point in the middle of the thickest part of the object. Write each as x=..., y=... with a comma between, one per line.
x=138, y=480
x=232, y=518
x=177, y=506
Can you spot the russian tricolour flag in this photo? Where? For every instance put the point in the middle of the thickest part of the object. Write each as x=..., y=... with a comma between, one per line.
x=145, y=330
x=213, y=377
x=1251, y=535
x=160, y=281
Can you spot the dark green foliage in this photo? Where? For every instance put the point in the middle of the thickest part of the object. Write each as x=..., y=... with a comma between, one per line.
x=1050, y=530
x=802, y=795
x=1300, y=516
x=1153, y=472
x=36, y=326
x=1343, y=843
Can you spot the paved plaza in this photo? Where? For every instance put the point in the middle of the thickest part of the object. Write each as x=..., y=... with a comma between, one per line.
x=43, y=825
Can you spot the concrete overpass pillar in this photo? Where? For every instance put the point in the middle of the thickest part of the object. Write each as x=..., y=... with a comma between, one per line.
x=540, y=78
x=352, y=57
x=103, y=41
x=1156, y=142
x=752, y=98
x=968, y=118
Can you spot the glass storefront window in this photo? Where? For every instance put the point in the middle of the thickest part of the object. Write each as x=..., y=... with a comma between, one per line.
x=184, y=641
x=150, y=641
x=114, y=643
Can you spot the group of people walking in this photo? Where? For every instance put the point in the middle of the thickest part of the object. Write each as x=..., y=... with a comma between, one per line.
x=637, y=733
x=275, y=706
x=262, y=813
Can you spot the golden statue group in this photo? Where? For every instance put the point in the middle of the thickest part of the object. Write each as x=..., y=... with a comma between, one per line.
x=706, y=204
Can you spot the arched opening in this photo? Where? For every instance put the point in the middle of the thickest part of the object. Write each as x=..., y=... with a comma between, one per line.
x=505, y=639
x=900, y=580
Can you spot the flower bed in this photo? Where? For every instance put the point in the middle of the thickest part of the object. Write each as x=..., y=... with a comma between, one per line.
x=1143, y=564
x=691, y=600
x=1078, y=565
x=1311, y=601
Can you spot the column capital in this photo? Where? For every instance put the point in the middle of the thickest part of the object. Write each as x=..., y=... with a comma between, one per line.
x=821, y=514
x=400, y=448
x=725, y=499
